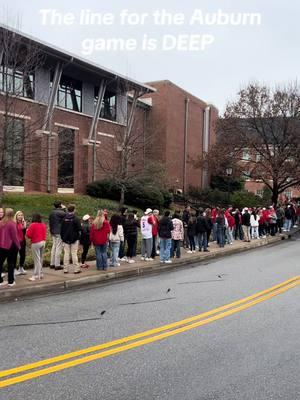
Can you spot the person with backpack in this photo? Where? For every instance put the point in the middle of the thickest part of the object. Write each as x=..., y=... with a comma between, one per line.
x=221, y=226
x=70, y=235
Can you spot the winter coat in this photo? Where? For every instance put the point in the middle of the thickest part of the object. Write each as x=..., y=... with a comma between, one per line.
x=85, y=234
x=201, y=224
x=9, y=235
x=131, y=227
x=118, y=236
x=177, y=232
x=70, y=229
x=246, y=219
x=254, y=222
x=165, y=228
x=191, y=228
x=55, y=220
x=100, y=236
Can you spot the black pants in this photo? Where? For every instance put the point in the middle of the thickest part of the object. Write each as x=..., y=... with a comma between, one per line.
x=22, y=254
x=85, y=250
x=122, y=249
x=131, y=245
x=10, y=256
x=154, y=241
x=175, y=248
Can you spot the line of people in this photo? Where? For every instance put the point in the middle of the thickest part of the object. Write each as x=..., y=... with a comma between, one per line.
x=116, y=240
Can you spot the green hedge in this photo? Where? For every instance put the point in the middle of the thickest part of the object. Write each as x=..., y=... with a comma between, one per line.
x=136, y=193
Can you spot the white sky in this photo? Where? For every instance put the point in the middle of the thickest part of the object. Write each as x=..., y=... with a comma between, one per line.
x=268, y=53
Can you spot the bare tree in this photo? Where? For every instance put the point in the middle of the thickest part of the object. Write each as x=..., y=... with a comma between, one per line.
x=124, y=157
x=259, y=137
x=20, y=119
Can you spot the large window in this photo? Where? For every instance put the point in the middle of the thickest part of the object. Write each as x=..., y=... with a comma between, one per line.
x=69, y=94
x=108, y=109
x=14, y=152
x=66, y=158
x=16, y=81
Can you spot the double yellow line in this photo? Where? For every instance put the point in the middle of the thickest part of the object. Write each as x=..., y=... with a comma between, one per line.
x=140, y=339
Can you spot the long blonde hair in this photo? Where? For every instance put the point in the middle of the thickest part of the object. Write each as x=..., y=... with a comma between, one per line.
x=99, y=220
x=8, y=216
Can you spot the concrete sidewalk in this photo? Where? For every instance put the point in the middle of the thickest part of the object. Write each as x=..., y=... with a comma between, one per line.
x=56, y=281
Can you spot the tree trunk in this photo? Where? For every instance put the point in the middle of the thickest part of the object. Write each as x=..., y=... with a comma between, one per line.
x=275, y=194
x=122, y=197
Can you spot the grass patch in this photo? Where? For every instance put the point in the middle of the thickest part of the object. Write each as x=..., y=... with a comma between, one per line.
x=43, y=203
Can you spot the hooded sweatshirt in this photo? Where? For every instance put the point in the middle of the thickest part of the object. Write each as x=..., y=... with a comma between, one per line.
x=70, y=229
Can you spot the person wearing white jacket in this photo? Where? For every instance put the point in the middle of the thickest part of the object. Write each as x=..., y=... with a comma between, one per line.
x=116, y=236
x=254, y=222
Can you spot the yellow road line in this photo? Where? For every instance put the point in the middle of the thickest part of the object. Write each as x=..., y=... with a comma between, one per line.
x=257, y=298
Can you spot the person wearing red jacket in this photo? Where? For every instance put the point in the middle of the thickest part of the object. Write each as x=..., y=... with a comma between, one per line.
x=37, y=232
x=99, y=233
x=231, y=225
x=9, y=246
x=155, y=233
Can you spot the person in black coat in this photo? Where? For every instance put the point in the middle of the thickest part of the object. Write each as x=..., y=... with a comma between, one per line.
x=131, y=226
x=70, y=235
x=85, y=239
x=165, y=234
x=55, y=220
x=201, y=230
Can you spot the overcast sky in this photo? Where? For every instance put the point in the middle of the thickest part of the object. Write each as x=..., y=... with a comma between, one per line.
x=268, y=52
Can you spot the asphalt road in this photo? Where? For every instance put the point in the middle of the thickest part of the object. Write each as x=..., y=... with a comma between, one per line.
x=253, y=354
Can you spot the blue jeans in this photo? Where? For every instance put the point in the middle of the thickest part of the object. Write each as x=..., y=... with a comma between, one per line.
x=101, y=256
x=202, y=238
x=287, y=224
x=115, y=247
x=165, y=249
x=221, y=235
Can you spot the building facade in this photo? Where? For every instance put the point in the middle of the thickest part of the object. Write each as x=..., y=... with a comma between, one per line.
x=66, y=122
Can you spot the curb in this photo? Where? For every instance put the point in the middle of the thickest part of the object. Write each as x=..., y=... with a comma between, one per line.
x=131, y=272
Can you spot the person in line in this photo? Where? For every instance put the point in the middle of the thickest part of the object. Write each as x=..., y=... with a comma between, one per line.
x=272, y=221
x=231, y=225
x=21, y=228
x=209, y=224
x=288, y=219
x=221, y=226
x=147, y=239
x=123, y=216
x=177, y=235
x=55, y=220
x=185, y=220
x=131, y=232
x=280, y=218
x=85, y=239
x=254, y=222
x=201, y=230
x=99, y=236
x=246, y=225
x=70, y=235
x=191, y=232
x=9, y=246
x=155, y=233
x=238, y=230
x=116, y=237
x=262, y=224
x=165, y=234
x=37, y=232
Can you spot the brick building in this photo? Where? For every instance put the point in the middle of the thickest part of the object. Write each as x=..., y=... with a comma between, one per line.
x=61, y=117
x=183, y=127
